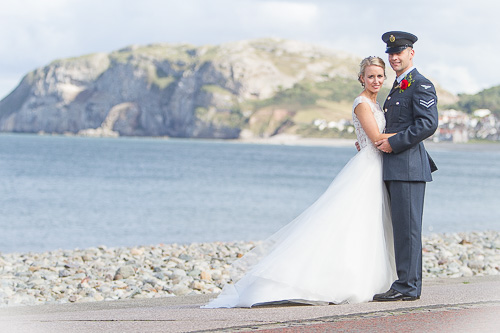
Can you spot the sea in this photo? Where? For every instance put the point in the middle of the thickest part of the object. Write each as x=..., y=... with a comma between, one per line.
x=63, y=192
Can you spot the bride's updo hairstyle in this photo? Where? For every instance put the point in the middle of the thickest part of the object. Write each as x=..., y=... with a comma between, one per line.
x=370, y=61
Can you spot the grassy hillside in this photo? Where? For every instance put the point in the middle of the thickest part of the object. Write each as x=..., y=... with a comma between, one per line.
x=294, y=110
x=486, y=99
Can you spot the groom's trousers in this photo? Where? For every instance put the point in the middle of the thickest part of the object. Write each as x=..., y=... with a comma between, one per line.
x=407, y=204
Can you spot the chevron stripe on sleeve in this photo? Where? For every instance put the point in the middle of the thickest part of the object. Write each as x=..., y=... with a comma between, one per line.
x=427, y=104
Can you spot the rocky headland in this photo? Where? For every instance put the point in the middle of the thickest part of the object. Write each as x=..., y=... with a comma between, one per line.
x=101, y=273
x=254, y=88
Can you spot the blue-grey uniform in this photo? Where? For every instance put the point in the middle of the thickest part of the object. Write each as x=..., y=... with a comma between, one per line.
x=411, y=112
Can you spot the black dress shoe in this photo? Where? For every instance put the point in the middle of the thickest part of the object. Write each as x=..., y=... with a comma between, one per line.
x=393, y=295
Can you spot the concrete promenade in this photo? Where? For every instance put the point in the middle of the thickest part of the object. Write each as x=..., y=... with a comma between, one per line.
x=447, y=305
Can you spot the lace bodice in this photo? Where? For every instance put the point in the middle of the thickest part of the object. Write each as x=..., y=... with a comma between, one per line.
x=363, y=139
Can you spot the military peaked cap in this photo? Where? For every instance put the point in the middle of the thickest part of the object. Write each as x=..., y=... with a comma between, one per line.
x=397, y=41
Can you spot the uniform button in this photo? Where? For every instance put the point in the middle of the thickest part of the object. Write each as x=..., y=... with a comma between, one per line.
x=385, y=110
x=397, y=103
x=388, y=98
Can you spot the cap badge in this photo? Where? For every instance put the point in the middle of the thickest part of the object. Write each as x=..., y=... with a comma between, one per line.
x=392, y=39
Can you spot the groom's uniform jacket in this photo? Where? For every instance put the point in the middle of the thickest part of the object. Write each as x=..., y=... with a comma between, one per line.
x=412, y=114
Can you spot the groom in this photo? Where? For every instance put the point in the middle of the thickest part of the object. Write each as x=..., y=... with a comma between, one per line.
x=411, y=112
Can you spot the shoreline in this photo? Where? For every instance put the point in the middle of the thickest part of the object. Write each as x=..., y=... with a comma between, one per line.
x=101, y=273
x=295, y=140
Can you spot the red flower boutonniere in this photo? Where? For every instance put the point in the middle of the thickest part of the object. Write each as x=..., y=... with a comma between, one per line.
x=406, y=83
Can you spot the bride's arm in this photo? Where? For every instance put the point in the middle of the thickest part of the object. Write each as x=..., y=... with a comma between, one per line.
x=369, y=124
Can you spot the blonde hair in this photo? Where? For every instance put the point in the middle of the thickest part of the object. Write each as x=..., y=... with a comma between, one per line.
x=370, y=61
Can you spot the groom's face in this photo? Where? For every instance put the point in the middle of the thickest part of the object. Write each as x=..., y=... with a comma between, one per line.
x=401, y=61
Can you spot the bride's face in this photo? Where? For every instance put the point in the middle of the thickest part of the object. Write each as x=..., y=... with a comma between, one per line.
x=374, y=78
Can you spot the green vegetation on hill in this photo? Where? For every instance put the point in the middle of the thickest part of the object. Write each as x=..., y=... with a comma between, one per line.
x=486, y=99
x=294, y=110
x=300, y=95
x=306, y=94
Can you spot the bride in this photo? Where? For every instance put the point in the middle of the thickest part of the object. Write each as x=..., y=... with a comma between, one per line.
x=340, y=249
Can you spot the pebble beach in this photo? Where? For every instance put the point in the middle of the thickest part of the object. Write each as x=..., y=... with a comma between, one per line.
x=168, y=270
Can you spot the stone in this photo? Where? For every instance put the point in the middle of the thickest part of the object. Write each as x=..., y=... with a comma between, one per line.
x=86, y=258
x=442, y=261
x=185, y=257
x=181, y=290
x=137, y=251
x=178, y=272
x=475, y=264
x=466, y=271
x=79, y=276
x=73, y=298
x=216, y=274
x=124, y=272
x=6, y=292
x=194, y=273
x=64, y=273
x=206, y=276
x=198, y=285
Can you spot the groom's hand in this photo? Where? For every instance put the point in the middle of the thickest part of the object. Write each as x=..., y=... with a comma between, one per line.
x=384, y=146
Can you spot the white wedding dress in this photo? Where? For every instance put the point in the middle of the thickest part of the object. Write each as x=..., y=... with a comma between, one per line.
x=338, y=250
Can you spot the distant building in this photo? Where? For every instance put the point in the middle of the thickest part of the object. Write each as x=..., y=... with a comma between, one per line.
x=453, y=126
x=481, y=113
x=459, y=127
x=486, y=126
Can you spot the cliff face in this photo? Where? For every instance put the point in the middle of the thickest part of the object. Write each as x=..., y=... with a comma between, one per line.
x=166, y=90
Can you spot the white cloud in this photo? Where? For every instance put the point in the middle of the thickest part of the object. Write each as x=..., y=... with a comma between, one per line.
x=452, y=78
x=287, y=12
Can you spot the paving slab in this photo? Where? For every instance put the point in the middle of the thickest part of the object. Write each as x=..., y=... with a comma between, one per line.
x=447, y=305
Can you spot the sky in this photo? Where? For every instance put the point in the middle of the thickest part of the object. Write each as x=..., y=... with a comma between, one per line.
x=458, y=44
